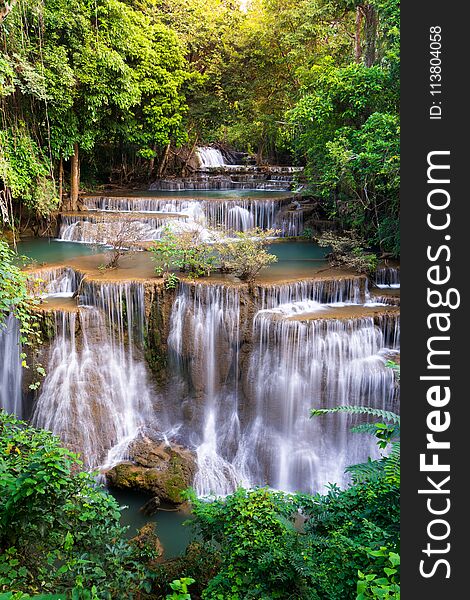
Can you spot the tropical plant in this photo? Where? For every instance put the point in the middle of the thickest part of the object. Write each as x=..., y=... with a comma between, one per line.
x=18, y=301
x=246, y=255
x=180, y=589
x=59, y=530
x=185, y=251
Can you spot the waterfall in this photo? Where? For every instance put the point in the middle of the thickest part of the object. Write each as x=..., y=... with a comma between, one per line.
x=210, y=157
x=244, y=406
x=387, y=277
x=54, y=281
x=294, y=367
x=204, y=339
x=327, y=291
x=228, y=215
x=94, y=229
x=10, y=366
x=96, y=395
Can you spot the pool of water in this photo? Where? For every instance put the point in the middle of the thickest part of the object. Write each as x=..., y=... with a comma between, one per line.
x=49, y=250
x=295, y=259
x=228, y=194
x=172, y=532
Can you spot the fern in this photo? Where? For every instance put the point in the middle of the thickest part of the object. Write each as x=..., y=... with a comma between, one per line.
x=387, y=415
x=392, y=465
x=372, y=470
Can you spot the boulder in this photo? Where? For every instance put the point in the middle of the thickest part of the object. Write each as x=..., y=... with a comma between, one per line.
x=148, y=543
x=156, y=468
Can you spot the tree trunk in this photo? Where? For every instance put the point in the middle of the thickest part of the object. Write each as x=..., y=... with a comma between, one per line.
x=188, y=158
x=370, y=34
x=74, y=178
x=162, y=165
x=61, y=180
x=357, y=35
x=152, y=162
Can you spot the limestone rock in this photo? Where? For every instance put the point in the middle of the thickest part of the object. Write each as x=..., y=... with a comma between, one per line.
x=155, y=468
x=146, y=539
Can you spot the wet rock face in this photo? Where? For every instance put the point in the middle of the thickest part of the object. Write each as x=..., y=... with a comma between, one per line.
x=156, y=468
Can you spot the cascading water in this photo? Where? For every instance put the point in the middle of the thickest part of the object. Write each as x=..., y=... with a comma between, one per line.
x=387, y=277
x=228, y=215
x=93, y=229
x=299, y=365
x=10, y=366
x=246, y=405
x=204, y=340
x=328, y=291
x=54, y=281
x=210, y=157
x=96, y=395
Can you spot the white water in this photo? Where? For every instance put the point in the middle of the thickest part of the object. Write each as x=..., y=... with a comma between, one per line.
x=387, y=277
x=205, y=332
x=210, y=157
x=88, y=229
x=54, y=281
x=228, y=215
x=295, y=367
x=247, y=415
x=349, y=290
x=96, y=395
x=240, y=388
x=10, y=366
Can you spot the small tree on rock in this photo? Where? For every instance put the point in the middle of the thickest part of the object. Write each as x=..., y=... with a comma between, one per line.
x=246, y=255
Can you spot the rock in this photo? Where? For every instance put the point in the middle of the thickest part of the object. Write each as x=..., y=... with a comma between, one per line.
x=151, y=506
x=155, y=468
x=147, y=541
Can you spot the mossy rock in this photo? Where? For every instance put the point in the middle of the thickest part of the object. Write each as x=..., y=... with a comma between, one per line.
x=155, y=468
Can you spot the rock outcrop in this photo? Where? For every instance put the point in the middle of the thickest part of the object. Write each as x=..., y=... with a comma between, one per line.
x=156, y=468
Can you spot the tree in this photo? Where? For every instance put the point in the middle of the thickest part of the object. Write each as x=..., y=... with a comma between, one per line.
x=347, y=251
x=121, y=236
x=246, y=255
x=76, y=75
x=184, y=251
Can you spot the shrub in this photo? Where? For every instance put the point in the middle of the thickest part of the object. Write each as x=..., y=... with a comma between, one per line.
x=185, y=252
x=59, y=530
x=347, y=251
x=246, y=255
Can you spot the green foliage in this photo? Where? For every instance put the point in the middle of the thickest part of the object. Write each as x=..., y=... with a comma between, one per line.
x=347, y=252
x=246, y=255
x=180, y=587
x=345, y=126
x=259, y=546
x=26, y=173
x=386, y=586
x=15, y=298
x=185, y=252
x=59, y=530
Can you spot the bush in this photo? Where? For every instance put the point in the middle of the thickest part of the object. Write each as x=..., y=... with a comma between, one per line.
x=347, y=252
x=246, y=255
x=59, y=530
x=185, y=252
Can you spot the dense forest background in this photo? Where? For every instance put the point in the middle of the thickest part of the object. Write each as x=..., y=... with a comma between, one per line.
x=111, y=92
